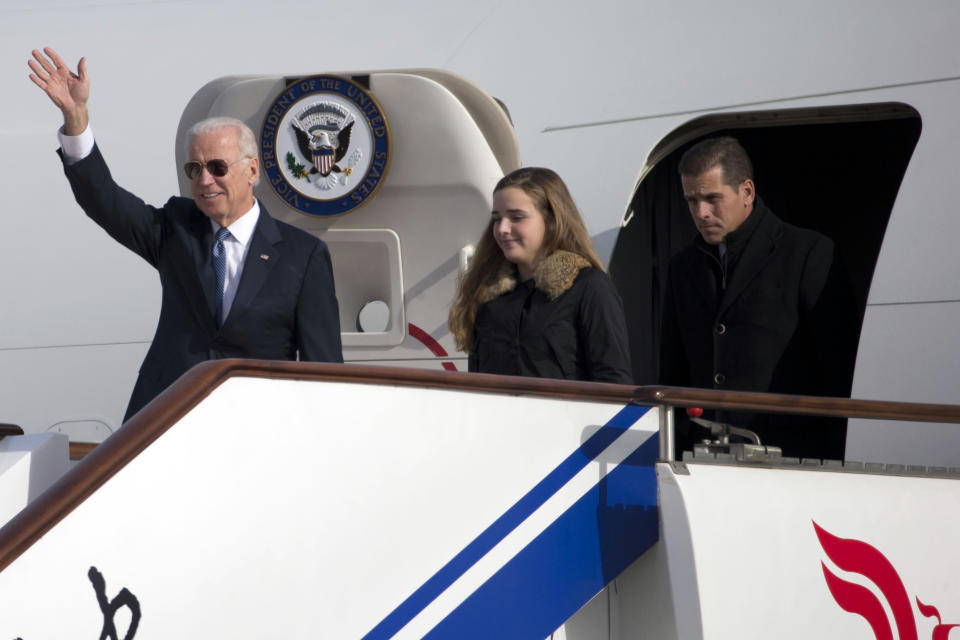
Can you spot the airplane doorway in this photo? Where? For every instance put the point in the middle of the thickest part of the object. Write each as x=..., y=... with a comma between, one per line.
x=836, y=170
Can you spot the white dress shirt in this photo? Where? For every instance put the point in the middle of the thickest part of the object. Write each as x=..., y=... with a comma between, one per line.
x=76, y=148
x=237, y=244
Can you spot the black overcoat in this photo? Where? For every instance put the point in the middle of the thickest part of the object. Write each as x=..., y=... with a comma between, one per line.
x=769, y=324
x=563, y=323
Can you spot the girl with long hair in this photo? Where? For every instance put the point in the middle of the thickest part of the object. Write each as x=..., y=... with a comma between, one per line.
x=535, y=300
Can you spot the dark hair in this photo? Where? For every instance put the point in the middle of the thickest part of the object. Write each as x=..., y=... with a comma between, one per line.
x=564, y=230
x=725, y=153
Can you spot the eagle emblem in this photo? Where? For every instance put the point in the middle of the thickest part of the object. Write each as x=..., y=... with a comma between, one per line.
x=323, y=137
x=325, y=144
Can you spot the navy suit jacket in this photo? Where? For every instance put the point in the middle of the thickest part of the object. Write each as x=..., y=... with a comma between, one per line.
x=285, y=306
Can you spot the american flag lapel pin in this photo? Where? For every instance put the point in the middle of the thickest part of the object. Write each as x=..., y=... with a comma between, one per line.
x=264, y=256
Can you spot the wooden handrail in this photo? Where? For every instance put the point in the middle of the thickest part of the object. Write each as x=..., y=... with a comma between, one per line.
x=165, y=410
x=7, y=429
x=169, y=407
x=80, y=450
x=797, y=405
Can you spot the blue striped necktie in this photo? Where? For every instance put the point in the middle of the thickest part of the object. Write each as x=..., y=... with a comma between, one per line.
x=220, y=268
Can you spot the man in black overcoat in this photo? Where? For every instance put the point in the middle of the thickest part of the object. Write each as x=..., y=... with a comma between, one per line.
x=749, y=305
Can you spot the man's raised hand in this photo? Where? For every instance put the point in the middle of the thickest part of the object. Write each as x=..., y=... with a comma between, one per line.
x=68, y=90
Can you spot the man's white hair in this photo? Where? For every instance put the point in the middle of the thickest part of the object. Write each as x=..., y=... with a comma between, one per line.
x=246, y=140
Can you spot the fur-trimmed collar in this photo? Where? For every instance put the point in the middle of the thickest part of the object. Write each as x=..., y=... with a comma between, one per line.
x=554, y=275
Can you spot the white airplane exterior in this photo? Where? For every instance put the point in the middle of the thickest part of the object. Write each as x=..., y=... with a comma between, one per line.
x=590, y=93
x=848, y=110
x=346, y=501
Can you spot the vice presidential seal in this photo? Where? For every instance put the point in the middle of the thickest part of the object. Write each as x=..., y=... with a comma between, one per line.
x=325, y=145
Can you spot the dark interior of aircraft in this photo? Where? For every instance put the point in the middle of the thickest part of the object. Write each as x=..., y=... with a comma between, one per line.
x=835, y=170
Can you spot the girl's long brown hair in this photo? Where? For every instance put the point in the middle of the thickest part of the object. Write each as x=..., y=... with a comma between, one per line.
x=564, y=231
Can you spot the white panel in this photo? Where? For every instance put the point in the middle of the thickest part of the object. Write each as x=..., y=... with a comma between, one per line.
x=907, y=352
x=758, y=560
x=283, y=508
x=366, y=267
x=917, y=261
x=28, y=465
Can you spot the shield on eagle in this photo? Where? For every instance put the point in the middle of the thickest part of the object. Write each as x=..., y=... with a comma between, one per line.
x=323, y=159
x=323, y=135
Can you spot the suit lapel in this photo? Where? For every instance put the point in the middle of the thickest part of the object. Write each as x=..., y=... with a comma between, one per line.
x=195, y=271
x=757, y=252
x=705, y=281
x=261, y=258
x=201, y=260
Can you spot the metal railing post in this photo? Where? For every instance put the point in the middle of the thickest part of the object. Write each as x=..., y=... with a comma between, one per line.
x=666, y=432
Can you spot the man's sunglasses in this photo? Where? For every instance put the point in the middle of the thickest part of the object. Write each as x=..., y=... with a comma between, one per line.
x=217, y=168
